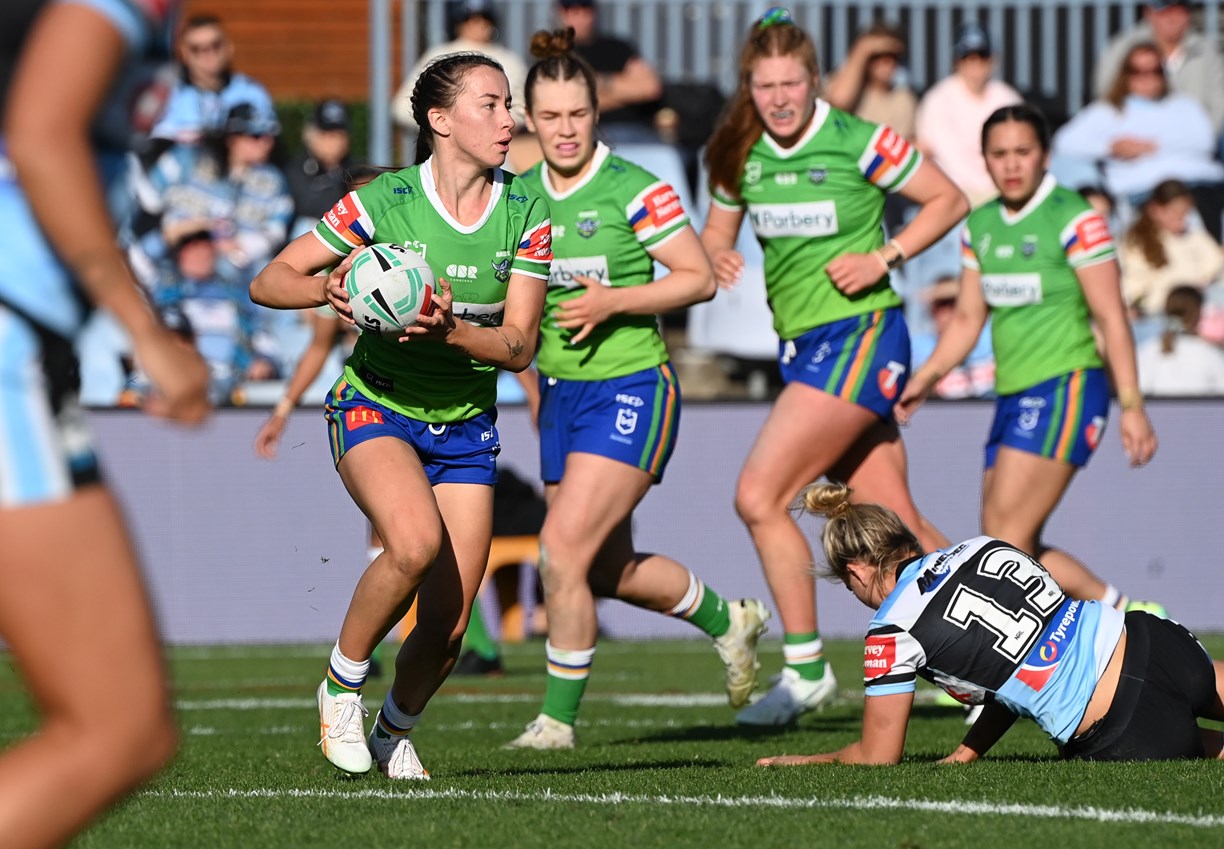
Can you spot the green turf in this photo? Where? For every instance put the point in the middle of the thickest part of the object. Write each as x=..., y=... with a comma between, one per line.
x=643, y=775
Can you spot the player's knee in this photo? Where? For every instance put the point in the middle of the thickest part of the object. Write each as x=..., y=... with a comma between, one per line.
x=753, y=502
x=412, y=557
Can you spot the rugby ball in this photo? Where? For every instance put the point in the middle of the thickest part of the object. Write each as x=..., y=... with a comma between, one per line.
x=389, y=288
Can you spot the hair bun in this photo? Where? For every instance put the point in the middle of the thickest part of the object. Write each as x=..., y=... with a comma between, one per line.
x=547, y=44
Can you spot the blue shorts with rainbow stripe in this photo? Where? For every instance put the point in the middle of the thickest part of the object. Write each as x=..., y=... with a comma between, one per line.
x=632, y=419
x=1063, y=418
x=864, y=359
x=456, y=452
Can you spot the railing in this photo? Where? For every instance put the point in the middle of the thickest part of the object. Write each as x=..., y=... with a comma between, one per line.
x=1045, y=47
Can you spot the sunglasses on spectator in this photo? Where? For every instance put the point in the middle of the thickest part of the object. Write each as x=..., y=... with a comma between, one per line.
x=205, y=47
x=1146, y=71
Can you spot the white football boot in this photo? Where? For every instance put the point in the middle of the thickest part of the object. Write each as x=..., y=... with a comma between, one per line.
x=396, y=756
x=342, y=731
x=790, y=698
x=738, y=648
x=544, y=732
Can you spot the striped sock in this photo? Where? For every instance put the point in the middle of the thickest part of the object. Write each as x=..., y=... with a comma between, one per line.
x=345, y=675
x=393, y=722
x=804, y=653
x=568, y=671
x=703, y=607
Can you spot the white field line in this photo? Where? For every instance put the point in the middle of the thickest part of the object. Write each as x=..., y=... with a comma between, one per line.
x=441, y=728
x=696, y=645
x=854, y=803
x=667, y=700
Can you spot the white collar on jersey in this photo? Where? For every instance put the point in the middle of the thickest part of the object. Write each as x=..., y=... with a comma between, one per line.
x=819, y=116
x=602, y=152
x=1043, y=191
x=431, y=193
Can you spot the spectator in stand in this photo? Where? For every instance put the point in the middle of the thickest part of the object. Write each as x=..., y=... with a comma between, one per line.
x=1181, y=362
x=1162, y=252
x=871, y=84
x=1144, y=134
x=629, y=88
x=953, y=110
x=208, y=87
x=973, y=378
x=318, y=176
x=471, y=26
x=1192, y=61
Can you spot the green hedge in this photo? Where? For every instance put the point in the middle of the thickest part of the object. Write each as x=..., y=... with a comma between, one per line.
x=295, y=113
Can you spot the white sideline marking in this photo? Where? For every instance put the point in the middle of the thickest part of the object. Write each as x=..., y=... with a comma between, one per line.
x=451, y=727
x=675, y=700
x=858, y=803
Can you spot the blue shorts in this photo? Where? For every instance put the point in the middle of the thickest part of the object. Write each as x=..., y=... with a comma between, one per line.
x=1063, y=418
x=632, y=419
x=864, y=359
x=46, y=450
x=458, y=452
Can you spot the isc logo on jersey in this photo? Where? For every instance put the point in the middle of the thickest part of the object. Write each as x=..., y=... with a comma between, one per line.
x=879, y=655
x=565, y=272
x=773, y=220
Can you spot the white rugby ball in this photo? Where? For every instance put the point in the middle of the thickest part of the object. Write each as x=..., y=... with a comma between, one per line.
x=389, y=288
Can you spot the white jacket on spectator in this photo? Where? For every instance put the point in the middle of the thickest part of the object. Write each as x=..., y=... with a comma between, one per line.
x=1194, y=367
x=1178, y=125
x=1191, y=259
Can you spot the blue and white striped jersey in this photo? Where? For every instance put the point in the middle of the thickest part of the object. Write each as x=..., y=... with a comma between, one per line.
x=986, y=622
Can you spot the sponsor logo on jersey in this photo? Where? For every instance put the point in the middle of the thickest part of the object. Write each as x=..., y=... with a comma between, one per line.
x=629, y=400
x=1094, y=431
x=654, y=210
x=1043, y=660
x=786, y=178
x=558, y=231
x=516, y=198
x=626, y=420
x=1012, y=290
x=752, y=172
x=566, y=271
x=382, y=384
x=885, y=158
x=481, y=315
x=772, y=220
x=402, y=190
x=822, y=352
x=501, y=269
x=888, y=377
x=1028, y=247
x=1030, y=412
x=461, y=272
x=1005, y=251
x=879, y=655
x=349, y=221
x=818, y=175
x=536, y=244
x=1090, y=235
x=360, y=417
x=588, y=223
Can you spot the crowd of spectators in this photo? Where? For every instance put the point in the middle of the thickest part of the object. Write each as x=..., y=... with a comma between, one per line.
x=213, y=197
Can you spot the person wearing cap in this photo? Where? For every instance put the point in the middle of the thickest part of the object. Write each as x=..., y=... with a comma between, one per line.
x=472, y=28
x=951, y=113
x=318, y=175
x=629, y=87
x=208, y=87
x=1193, y=63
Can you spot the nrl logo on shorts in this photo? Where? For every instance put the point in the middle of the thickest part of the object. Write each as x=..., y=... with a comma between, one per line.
x=588, y=223
x=818, y=175
x=626, y=420
x=501, y=270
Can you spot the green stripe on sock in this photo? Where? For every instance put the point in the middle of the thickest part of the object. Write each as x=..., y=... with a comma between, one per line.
x=476, y=637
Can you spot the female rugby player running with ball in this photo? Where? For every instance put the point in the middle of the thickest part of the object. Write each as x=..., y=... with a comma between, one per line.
x=411, y=420
x=1041, y=261
x=610, y=404
x=812, y=179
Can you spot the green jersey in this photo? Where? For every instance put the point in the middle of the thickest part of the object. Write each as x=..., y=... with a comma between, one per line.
x=603, y=228
x=815, y=201
x=1041, y=326
x=425, y=379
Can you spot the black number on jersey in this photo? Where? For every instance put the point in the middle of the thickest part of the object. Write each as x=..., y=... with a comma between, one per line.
x=1014, y=630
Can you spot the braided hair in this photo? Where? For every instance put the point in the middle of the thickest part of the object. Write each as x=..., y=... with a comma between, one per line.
x=438, y=87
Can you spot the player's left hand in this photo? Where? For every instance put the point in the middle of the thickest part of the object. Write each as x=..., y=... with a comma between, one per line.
x=852, y=273
x=1138, y=436
x=440, y=324
x=593, y=306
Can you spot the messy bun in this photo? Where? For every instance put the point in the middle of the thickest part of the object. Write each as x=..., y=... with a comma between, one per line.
x=858, y=533
x=556, y=60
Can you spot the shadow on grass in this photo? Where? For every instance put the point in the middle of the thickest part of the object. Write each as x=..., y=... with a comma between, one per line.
x=722, y=733
x=634, y=766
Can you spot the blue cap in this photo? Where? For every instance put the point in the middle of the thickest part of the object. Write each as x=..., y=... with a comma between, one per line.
x=971, y=39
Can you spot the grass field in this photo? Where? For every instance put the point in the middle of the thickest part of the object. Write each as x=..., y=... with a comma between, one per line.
x=660, y=763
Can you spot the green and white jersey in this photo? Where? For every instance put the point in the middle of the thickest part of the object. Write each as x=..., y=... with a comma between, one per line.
x=1041, y=325
x=426, y=379
x=602, y=228
x=815, y=201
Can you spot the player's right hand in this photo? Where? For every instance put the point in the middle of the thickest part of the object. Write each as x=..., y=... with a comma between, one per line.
x=178, y=375
x=728, y=266
x=915, y=392
x=337, y=296
x=269, y=437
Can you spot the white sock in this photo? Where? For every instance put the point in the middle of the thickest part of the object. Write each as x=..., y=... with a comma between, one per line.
x=393, y=720
x=348, y=673
x=1111, y=596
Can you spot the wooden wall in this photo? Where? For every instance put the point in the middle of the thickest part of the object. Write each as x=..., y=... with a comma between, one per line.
x=301, y=49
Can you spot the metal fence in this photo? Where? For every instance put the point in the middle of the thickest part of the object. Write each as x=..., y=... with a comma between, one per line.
x=1046, y=48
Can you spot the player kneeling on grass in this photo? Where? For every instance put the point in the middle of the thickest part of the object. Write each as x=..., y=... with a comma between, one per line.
x=989, y=625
